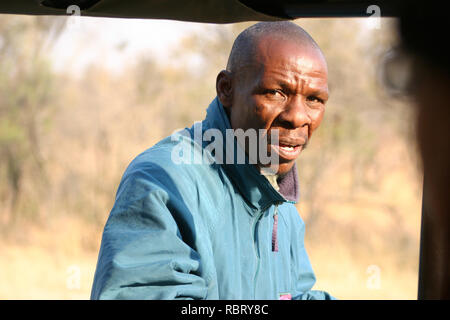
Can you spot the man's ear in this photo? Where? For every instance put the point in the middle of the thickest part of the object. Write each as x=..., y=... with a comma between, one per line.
x=224, y=88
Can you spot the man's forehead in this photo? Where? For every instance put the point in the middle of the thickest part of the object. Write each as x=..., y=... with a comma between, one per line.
x=289, y=63
x=270, y=50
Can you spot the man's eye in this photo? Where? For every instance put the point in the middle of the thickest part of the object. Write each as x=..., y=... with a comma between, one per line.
x=314, y=99
x=273, y=93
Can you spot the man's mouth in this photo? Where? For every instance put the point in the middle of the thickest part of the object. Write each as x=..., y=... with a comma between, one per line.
x=288, y=148
x=288, y=151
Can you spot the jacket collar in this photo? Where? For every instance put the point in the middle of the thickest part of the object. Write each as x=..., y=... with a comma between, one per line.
x=253, y=186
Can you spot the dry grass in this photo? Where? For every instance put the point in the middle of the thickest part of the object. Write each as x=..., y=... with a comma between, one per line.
x=44, y=262
x=367, y=247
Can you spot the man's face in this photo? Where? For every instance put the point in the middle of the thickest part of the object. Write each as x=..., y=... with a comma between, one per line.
x=283, y=87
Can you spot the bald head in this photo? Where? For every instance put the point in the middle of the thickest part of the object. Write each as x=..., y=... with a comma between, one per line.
x=244, y=47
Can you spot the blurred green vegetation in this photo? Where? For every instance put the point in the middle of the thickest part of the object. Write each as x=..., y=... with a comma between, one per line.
x=27, y=90
x=65, y=142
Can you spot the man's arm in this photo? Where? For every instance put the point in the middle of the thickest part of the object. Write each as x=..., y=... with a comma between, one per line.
x=143, y=255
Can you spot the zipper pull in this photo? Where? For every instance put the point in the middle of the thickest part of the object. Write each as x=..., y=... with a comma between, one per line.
x=274, y=230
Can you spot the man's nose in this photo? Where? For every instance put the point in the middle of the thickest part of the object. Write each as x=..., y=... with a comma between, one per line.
x=295, y=114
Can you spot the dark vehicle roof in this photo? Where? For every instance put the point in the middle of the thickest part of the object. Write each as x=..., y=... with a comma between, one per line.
x=212, y=11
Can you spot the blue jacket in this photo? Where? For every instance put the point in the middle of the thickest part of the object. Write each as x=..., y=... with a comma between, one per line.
x=202, y=231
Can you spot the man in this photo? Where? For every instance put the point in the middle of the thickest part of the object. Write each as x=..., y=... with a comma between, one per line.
x=224, y=229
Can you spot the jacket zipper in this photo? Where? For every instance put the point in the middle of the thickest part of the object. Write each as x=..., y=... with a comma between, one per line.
x=275, y=230
x=255, y=222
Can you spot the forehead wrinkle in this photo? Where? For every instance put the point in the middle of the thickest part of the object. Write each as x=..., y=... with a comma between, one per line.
x=293, y=68
x=304, y=85
x=310, y=63
x=294, y=78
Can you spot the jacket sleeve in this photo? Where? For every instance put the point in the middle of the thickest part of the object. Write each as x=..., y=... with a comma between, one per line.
x=302, y=270
x=145, y=251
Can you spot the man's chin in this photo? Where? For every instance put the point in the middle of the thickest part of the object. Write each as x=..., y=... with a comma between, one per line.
x=284, y=168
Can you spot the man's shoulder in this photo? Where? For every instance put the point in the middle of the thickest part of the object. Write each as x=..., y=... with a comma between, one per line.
x=159, y=153
x=174, y=161
x=177, y=152
x=154, y=172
